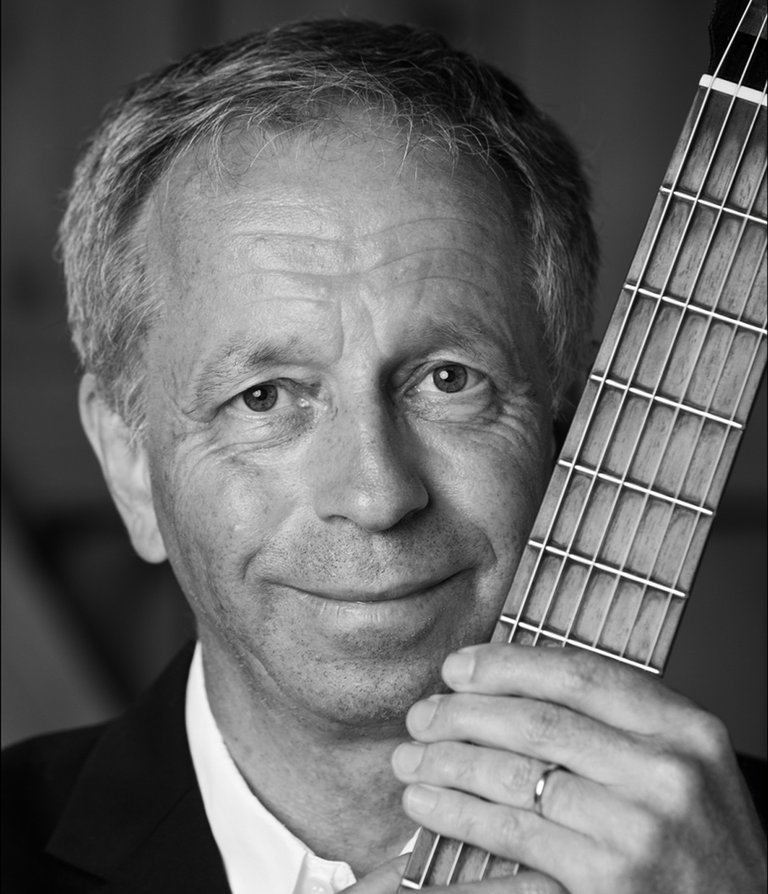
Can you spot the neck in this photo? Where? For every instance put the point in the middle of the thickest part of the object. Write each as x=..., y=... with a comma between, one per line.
x=305, y=771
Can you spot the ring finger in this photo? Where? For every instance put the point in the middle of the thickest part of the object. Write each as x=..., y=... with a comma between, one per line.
x=509, y=779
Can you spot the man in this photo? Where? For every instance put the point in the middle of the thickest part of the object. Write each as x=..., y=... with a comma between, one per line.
x=330, y=287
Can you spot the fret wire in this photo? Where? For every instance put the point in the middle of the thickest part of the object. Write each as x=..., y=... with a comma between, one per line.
x=552, y=634
x=615, y=501
x=602, y=566
x=429, y=864
x=684, y=552
x=455, y=863
x=736, y=322
x=687, y=197
x=656, y=398
x=622, y=325
x=672, y=265
x=630, y=485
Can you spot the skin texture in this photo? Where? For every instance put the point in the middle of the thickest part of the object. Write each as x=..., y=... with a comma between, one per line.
x=347, y=442
x=338, y=545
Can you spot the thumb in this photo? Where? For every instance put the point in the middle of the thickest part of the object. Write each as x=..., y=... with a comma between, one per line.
x=384, y=879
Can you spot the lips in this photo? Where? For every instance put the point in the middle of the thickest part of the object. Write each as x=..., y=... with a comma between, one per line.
x=389, y=593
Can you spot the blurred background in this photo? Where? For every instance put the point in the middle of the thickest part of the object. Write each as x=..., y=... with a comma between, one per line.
x=85, y=624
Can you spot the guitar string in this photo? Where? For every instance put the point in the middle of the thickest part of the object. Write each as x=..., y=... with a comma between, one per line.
x=685, y=552
x=701, y=421
x=674, y=507
x=624, y=399
x=749, y=379
x=726, y=434
x=639, y=517
x=439, y=839
x=539, y=558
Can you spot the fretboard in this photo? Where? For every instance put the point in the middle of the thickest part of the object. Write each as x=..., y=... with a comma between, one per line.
x=615, y=547
x=613, y=552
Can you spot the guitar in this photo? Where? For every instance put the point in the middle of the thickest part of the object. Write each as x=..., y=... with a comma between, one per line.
x=611, y=559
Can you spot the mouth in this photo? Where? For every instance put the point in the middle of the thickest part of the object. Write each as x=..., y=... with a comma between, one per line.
x=389, y=593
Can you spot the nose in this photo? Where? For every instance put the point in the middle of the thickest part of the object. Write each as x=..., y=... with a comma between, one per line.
x=366, y=471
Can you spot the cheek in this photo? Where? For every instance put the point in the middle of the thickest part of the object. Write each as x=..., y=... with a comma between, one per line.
x=502, y=484
x=216, y=513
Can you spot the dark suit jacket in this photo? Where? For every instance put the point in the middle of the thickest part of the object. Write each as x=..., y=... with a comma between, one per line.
x=112, y=808
x=116, y=808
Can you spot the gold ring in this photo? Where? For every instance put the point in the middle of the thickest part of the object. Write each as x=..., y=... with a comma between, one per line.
x=541, y=784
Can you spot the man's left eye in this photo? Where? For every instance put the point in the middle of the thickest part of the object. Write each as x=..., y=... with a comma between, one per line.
x=450, y=378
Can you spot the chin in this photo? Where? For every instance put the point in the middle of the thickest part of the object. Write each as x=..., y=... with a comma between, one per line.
x=375, y=696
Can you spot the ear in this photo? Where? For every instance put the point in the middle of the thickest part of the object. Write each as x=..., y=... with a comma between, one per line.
x=126, y=470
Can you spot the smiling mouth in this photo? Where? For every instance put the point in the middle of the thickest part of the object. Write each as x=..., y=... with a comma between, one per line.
x=385, y=594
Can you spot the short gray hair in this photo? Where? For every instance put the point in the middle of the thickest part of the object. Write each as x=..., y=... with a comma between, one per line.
x=291, y=77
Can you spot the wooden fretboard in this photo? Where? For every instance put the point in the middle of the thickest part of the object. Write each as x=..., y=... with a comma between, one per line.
x=611, y=559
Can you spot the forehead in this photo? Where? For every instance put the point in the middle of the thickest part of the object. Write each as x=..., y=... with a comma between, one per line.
x=349, y=180
x=284, y=234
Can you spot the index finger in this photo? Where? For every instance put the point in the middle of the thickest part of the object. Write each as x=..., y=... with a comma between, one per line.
x=575, y=678
x=385, y=879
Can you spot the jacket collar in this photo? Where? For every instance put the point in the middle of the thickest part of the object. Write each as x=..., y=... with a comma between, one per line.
x=135, y=816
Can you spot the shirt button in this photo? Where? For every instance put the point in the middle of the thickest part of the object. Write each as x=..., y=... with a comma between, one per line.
x=316, y=886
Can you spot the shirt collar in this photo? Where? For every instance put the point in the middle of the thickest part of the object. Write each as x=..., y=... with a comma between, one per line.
x=258, y=851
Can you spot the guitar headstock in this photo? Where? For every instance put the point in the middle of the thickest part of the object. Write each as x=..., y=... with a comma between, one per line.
x=738, y=43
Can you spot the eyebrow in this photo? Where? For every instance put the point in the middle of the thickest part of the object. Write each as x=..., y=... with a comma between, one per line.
x=473, y=336
x=242, y=357
x=254, y=351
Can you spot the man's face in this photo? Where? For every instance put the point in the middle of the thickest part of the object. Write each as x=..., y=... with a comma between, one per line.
x=347, y=426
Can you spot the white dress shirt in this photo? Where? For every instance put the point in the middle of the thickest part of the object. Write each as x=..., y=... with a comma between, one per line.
x=259, y=853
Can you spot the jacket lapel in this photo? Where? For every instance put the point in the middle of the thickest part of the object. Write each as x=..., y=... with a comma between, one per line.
x=135, y=816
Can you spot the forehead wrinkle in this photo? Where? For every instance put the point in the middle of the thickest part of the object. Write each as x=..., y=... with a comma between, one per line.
x=362, y=253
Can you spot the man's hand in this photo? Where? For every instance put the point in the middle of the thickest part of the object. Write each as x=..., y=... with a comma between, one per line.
x=383, y=880
x=649, y=797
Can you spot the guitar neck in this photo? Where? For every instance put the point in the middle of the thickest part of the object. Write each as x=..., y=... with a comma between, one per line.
x=613, y=552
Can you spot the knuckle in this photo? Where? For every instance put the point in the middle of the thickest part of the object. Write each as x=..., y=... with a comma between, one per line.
x=510, y=833
x=679, y=784
x=469, y=824
x=710, y=736
x=448, y=763
x=436, y=760
x=649, y=833
x=516, y=780
x=542, y=724
x=584, y=670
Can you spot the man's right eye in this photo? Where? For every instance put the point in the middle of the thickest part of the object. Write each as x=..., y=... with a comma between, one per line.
x=261, y=397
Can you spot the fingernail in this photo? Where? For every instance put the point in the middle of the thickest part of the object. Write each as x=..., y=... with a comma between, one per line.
x=420, y=799
x=458, y=668
x=421, y=714
x=407, y=757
